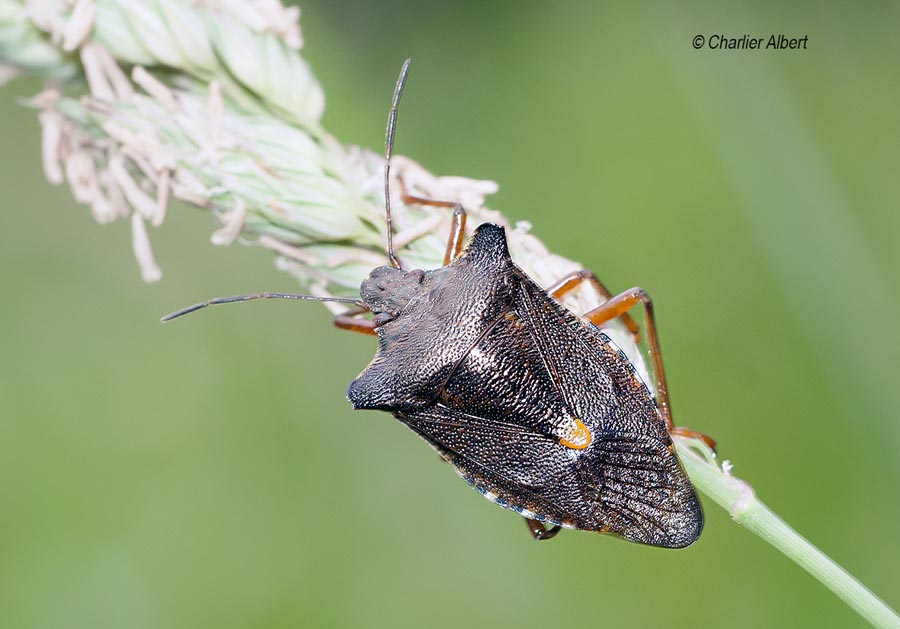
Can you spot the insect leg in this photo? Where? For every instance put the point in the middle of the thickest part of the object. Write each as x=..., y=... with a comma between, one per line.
x=573, y=280
x=616, y=307
x=351, y=320
x=538, y=531
x=687, y=433
x=619, y=305
x=458, y=229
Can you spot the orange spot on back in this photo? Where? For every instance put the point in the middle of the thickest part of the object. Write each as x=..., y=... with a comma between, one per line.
x=578, y=437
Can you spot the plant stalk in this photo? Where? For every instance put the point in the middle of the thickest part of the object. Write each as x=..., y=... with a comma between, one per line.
x=746, y=509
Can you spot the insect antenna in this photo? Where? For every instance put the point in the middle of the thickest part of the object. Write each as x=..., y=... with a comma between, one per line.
x=388, y=151
x=236, y=298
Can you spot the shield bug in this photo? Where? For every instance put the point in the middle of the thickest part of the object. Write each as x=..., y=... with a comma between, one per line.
x=532, y=404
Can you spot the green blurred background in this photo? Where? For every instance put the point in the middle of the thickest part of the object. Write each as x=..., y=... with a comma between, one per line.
x=212, y=473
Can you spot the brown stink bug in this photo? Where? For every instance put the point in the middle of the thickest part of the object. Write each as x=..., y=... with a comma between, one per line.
x=532, y=404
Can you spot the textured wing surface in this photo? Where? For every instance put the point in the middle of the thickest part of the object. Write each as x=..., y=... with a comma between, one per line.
x=645, y=494
x=501, y=410
x=622, y=485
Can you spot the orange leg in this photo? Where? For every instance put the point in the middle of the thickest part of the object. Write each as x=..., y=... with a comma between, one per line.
x=687, y=433
x=539, y=531
x=351, y=320
x=573, y=280
x=457, y=231
x=616, y=307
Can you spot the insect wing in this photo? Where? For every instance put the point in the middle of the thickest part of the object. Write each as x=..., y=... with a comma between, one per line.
x=644, y=493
